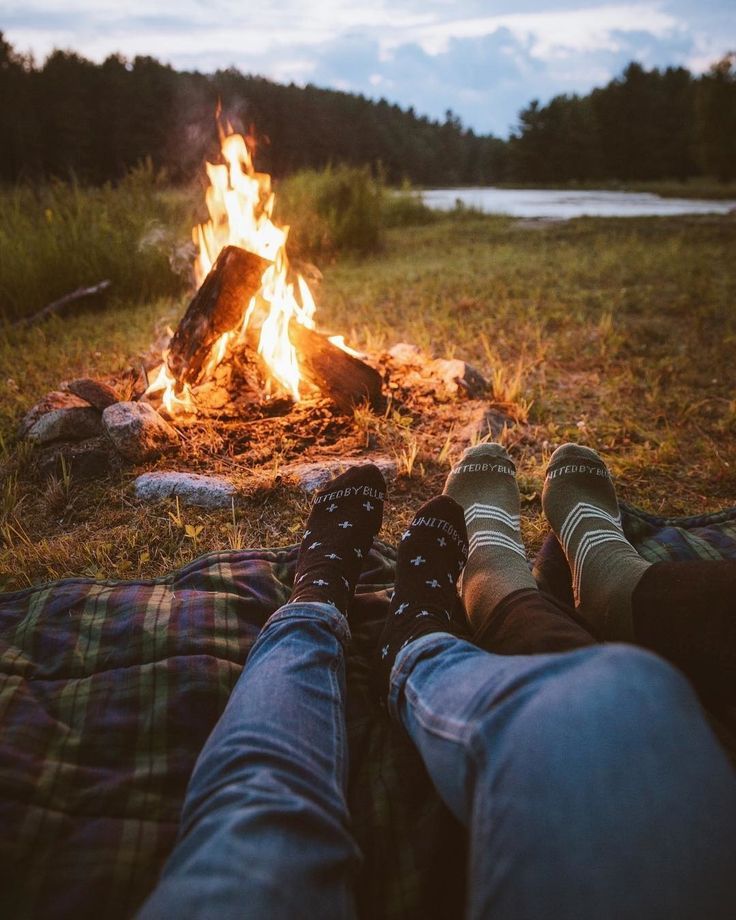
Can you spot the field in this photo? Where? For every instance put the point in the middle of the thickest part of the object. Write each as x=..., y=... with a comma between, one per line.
x=616, y=333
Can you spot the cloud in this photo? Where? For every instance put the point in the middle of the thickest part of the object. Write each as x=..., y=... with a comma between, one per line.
x=485, y=60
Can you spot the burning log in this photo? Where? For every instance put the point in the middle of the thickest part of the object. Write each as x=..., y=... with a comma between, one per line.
x=216, y=308
x=347, y=380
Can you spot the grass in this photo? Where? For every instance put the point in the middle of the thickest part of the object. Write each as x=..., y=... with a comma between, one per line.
x=615, y=333
x=58, y=237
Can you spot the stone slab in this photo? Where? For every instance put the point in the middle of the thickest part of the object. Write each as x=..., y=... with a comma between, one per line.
x=191, y=488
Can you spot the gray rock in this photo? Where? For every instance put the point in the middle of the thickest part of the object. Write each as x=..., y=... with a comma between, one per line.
x=56, y=399
x=75, y=424
x=460, y=377
x=484, y=422
x=192, y=488
x=404, y=353
x=312, y=476
x=96, y=392
x=137, y=430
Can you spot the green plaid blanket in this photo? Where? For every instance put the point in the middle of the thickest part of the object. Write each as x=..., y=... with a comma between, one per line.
x=108, y=691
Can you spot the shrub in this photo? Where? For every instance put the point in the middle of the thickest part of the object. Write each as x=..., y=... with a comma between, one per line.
x=336, y=209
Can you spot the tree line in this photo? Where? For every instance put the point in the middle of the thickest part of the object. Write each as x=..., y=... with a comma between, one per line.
x=72, y=117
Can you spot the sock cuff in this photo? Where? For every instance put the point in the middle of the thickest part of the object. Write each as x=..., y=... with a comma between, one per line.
x=484, y=463
x=442, y=526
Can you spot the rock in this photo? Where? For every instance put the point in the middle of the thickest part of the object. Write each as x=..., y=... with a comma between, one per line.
x=192, y=488
x=54, y=400
x=404, y=353
x=137, y=430
x=95, y=392
x=88, y=459
x=459, y=377
x=312, y=476
x=74, y=424
x=482, y=423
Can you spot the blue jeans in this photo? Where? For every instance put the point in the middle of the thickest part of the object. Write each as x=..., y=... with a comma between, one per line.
x=589, y=781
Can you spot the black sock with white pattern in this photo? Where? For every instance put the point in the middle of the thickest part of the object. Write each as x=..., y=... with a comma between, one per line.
x=345, y=517
x=432, y=553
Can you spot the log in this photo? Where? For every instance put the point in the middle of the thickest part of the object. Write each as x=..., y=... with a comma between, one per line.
x=346, y=380
x=63, y=304
x=216, y=308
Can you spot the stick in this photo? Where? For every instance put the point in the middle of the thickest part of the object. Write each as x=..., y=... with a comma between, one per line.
x=58, y=306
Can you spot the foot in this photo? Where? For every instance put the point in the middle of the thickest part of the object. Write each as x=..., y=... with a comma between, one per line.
x=484, y=483
x=432, y=553
x=345, y=517
x=579, y=501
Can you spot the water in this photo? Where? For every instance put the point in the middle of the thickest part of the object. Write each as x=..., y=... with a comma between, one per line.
x=562, y=204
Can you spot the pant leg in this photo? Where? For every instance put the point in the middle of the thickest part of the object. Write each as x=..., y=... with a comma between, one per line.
x=265, y=826
x=530, y=622
x=686, y=611
x=589, y=780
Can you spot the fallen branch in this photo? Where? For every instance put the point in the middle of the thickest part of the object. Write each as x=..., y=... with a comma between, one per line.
x=59, y=306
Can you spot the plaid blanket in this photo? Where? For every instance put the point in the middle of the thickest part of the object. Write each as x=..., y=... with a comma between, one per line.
x=108, y=691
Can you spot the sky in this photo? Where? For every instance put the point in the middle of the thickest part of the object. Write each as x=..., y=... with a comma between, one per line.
x=484, y=60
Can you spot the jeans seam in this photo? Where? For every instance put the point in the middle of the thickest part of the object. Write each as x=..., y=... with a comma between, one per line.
x=400, y=674
x=313, y=610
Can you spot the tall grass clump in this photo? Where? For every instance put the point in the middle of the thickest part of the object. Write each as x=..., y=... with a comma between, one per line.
x=404, y=208
x=339, y=208
x=61, y=236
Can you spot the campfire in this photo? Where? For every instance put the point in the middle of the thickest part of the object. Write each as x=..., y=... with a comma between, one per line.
x=246, y=382
x=250, y=326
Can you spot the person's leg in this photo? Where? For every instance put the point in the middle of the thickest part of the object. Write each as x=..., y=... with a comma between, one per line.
x=579, y=501
x=507, y=613
x=532, y=622
x=589, y=780
x=686, y=611
x=265, y=830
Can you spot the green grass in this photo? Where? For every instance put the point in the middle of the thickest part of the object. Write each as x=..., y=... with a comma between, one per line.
x=58, y=237
x=617, y=333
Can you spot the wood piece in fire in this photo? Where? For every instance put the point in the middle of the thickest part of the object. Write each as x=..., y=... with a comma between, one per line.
x=346, y=380
x=216, y=308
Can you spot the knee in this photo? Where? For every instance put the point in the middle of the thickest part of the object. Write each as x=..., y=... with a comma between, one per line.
x=621, y=694
x=618, y=671
x=600, y=695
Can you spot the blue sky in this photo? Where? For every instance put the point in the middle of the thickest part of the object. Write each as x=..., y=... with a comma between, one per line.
x=484, y=60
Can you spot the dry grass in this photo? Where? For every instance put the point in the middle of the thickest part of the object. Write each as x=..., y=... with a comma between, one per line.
x=616, y=333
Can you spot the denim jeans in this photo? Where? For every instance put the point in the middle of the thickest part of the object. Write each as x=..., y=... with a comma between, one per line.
x=589, y=781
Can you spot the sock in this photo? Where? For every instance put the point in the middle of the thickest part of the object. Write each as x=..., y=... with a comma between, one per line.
x=580, y=503
x=345, y=517
x=432, y=553
x=484, y=483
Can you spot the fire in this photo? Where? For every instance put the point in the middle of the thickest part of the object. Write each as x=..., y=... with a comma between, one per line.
x=240, y=202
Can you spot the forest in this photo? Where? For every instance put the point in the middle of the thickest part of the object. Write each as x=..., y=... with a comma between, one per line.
x=70, y=117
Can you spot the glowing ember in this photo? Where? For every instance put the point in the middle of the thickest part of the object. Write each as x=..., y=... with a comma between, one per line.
x=240, y=203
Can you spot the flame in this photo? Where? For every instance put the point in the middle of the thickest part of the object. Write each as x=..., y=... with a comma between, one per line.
x=240, y=202
x=175, y=399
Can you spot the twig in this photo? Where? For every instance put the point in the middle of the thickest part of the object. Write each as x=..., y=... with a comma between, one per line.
x=57, y=306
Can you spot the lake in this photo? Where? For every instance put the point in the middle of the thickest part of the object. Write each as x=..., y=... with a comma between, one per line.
x=563, y=204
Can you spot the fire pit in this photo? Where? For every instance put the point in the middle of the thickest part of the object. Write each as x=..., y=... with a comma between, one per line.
x=246, y=378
